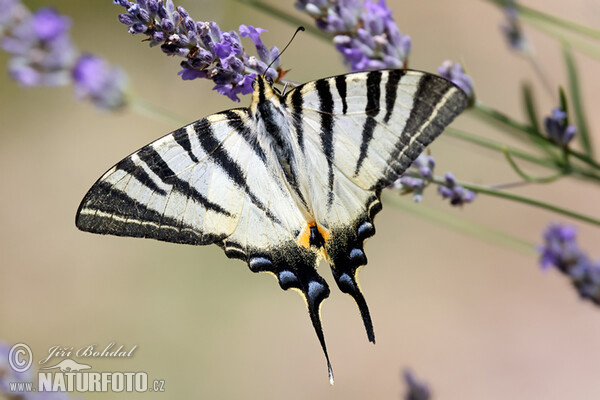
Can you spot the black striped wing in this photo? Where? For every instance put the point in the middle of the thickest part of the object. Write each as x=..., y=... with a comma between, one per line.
x=360, y=132
x=197, y=185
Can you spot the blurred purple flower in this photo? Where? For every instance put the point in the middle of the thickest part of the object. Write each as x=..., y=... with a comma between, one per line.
x=41, y=49
x=96, y=80
x=454, y=73
x=457, y=194
x=12, y=12
x=208, y=51
x=560, y=249
x=416, y=390
x=43, y=55
x=365, y=33
x=512, y=29
x=49, y=25
x=557, y=128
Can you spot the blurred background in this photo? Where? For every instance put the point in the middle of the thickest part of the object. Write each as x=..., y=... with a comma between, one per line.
x=474, y=319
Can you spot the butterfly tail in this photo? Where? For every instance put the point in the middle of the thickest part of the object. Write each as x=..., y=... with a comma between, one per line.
x=315, y=316
x=295, y=268
x=346, y=256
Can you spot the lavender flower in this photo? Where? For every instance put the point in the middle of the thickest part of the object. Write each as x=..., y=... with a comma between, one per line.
x=457, y=194
x=454, y=72
x=512, y=29
x=416, y=390
x=557, y=128
x=43, y=55
x=365, y=34
x=208, y=51
x=408, y=183
x=96, y=80
x=420, y=175
x=41, y=48
x=12, y=12
x=560, y=249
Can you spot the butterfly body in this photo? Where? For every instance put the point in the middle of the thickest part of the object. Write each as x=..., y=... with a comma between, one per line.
x=288, y=181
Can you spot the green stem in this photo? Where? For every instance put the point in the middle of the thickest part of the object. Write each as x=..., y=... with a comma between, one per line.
x=460, y=225
x=495, y=146
x=542, y=142
x=147, y=109
x=531, y=13
x=535, y=64
x=582, y=45
x=506, y=120
x=526, y=176
x=576, y=98
x=522, y=199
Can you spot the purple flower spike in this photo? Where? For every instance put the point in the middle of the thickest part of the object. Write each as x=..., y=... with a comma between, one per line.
x=416, y=390
x=104, y=85
x=207, y=51
x=558, y=130
x=457, y=194
x=512, y=29
x=41, y=49
x=366, y=34
x=454, y=72
x=408, y=183
x=43, y=55
x=560, y=249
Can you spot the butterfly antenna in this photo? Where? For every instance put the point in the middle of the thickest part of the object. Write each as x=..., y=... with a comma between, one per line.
x=300, y=28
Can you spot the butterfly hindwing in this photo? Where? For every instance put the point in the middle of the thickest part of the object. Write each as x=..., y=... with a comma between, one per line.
x=361, y=131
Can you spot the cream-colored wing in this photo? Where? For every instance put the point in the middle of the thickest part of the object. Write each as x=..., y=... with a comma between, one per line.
x=358, y=132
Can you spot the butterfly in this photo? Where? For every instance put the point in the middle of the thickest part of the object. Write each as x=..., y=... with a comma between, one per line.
x=291, y=180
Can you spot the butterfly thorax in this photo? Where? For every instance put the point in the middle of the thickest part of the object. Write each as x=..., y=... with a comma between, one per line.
x=271, y=117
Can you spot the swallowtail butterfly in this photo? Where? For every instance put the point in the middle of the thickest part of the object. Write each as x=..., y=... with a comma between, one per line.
x=288, y=181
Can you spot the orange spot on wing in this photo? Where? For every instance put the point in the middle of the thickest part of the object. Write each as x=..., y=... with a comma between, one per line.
x=304, y=238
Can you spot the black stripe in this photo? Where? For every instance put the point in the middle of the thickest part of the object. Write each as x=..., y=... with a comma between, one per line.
x=372, y=109
x=235, y=122
x=182, y=138
x=297, y=102
x=140, y=174
x=391, y=92
x=156, y=163
x=219, y=155
x=103, y=197
x=326, y=111
x=340, y=84
x=429, y=94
